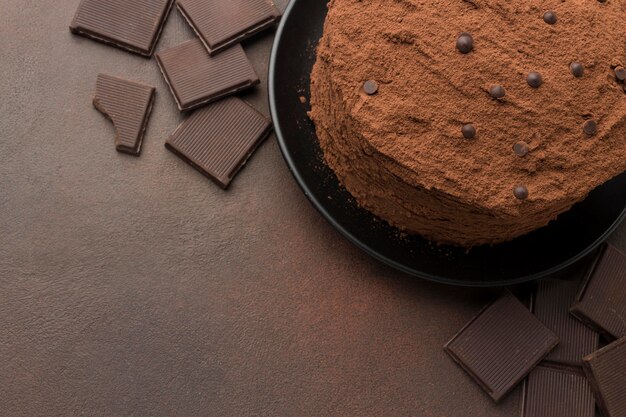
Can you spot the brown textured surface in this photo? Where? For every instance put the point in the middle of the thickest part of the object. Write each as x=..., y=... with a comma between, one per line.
x=220, y=24
x=131, y=25
x=551, y=392
x=501, y=345
x=218, y=139
x=400, y=152
x=195, y=78
x=606, y=371
x=128, y=104
x=601, y=302
x=135, y=287
x=551, y=304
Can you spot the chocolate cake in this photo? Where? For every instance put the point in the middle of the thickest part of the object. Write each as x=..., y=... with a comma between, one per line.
x=471, y=121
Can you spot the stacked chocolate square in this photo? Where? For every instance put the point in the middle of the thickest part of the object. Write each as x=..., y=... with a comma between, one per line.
x=555, y=344
x=203, y=74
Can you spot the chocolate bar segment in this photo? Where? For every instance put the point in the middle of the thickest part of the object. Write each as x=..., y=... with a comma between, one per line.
x=195, y=78
x=223, y=23
x=557, y=392
x=131, y=25
x=218, y=139
x=501, y=345
x=601, y=302
x=128, y=105
x=606, y=371
x=550, y=304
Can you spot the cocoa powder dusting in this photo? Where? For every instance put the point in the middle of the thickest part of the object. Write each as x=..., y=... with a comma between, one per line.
x=401, y=151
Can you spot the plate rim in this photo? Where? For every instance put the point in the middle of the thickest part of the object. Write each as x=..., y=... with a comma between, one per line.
x=293, y=168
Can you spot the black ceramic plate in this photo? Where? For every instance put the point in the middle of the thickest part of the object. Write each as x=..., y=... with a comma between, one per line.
x=569, y=238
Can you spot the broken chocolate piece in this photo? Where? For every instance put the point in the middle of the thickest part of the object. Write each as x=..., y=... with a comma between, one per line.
x=131, y=25
x=223, y=23
x=195, y=78
x=218, y=139
x=557, y=393
x=501, y=345
x=606, y=371
x=128, y=105
x=551, y=303
x=601, y=302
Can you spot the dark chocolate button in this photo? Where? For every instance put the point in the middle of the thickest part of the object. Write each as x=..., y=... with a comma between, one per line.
x=620, y=73
x=549, y=17
x=534, y=79
x=468, y=131
x=590, y=127
x=497, y=91
x=465, y=43
x=520, y=149
x=520, y=192
x=370, y=87
x=577, y=69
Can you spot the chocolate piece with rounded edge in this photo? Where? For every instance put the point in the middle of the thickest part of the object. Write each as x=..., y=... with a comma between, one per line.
x=497, y=91
x=501, y=345
x=468, y=131
x=601, y=301
x=218, y=139
x=465, y=43
x=606, y=372
x=370, y=87
x=195, y=78
x=128, y=105
x=550, y=303
x=534, y=79
x=590, y=127
x=131, y=25
x=550, y=17
x=557, y=392
x=577, y=69
x=521, y=149
x=222, y=23
x=520, y=192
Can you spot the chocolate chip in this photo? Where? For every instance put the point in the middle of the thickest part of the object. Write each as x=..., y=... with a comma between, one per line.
x=534, y=79
x=370, y=87
x=590, y=127
x=577, y=69
x=465, y=43
x=468, y=131
x=520, y=149
x=549, y=17
x=620, y=73
x=497, y=91
x=520, y=192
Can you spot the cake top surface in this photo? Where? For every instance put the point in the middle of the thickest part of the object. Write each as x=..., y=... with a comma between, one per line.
x=541, y=133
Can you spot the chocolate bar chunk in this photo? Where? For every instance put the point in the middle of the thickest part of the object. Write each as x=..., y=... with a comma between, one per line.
x=606, y=371
x=550, y=304
x=223, y=23
x=195, y=78
x=131, y=25
x=218, y=139
x=601, y=302
x=501, y=345
x=128, y=104
x=557, y=393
